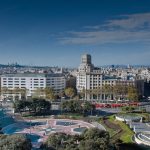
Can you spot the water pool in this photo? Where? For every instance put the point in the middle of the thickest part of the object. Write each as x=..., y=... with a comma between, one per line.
x=33, y=137
x=35, y=123
x=1, y=113
x=13, y=130
x=5, y=121
x=79, y=129
x=17, y=127
x=65, y=123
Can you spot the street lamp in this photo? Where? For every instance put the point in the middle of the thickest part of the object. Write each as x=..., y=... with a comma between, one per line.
x=26, y=108
x=61, y=105
x=91, y=111
x=30, y=126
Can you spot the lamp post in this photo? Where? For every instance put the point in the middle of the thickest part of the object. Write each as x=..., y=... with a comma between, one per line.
x=26, y=108
x=91, y=111
x=61, y=106
x=30, y=126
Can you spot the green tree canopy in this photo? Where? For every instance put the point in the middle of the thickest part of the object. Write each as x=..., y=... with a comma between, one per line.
x=50, y=94
x=87, y=106
x=72, y=106
x=36, y=105
x=70, y=92
x=91, y=139
x=77, y=106
x=15, y=142
x=133, y=93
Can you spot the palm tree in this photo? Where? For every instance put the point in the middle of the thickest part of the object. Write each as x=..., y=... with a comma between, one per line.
x=16, y=90
x=39, y=92
x=107, y=91
x=49, y=92
x=133, y=93
x=70, y=92
x=82, y=93
x=23, y=92
x=4, y=90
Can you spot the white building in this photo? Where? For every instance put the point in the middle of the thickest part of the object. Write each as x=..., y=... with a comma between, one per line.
x=56, y=81
x=90, y=78
x=32, y=82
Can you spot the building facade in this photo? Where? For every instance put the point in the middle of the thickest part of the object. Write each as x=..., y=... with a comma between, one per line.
x=32, y=82
x=90, y=78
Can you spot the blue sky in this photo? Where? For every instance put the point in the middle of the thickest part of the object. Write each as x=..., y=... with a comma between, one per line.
x=58, y=32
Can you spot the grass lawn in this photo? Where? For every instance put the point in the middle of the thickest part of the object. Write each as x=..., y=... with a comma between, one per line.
x=126, y=134
x=111, y=131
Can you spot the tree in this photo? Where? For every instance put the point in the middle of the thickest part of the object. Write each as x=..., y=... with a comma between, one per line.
x=90, y=139
x=120, y=91
x=40, y=105
x=49, y=92
x=56, y=140
x=36, y=105
x=87, y=106
x=128, y=108
x=62, y=94
x=16, y=90
x=132, y=93
x=76, y=106
x=15, y=142
x=99, y=139
x=89, y=145
x=72, y=106
x=19, y=106
x=95, y=133
x=84, y=93
x=70, y=92
x=4, y=90
x=38, y=93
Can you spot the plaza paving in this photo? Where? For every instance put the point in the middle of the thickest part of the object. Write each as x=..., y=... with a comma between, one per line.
x=39, y=130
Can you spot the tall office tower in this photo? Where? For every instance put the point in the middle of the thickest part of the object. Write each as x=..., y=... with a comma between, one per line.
x=86, y=59
x=87, y=77
x=86, y=65
x=90, y=79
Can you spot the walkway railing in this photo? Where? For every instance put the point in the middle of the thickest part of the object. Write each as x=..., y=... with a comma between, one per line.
x=99, y=126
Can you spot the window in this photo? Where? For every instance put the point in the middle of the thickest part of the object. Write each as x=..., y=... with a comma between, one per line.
x=36, y=79
x=16, y=78
x=9, y=84
x=23, y=79
x=10, y=78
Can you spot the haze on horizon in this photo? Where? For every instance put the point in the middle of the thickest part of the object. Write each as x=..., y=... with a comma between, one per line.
x=57, y=33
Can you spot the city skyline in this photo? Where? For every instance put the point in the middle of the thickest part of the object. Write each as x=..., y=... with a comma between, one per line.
x=57, y=33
